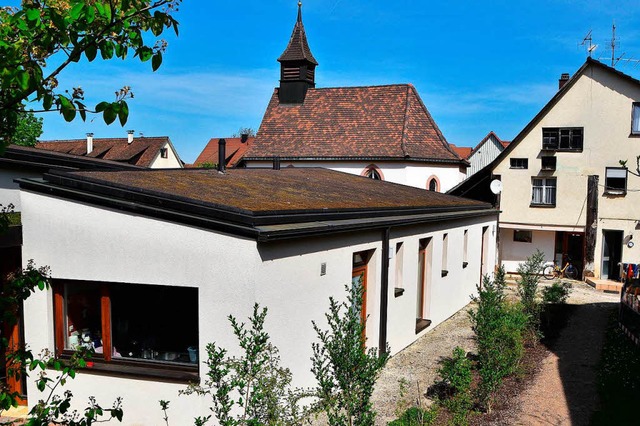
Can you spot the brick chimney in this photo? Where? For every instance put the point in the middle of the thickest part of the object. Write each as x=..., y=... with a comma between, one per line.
x=563, y=80
x=89, y=143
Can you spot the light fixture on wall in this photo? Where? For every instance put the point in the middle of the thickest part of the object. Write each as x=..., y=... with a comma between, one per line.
x=628, y=242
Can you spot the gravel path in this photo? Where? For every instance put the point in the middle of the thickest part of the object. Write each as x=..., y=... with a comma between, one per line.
x=562, y=392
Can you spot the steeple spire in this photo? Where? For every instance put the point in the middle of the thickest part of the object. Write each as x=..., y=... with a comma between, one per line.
x=297, y=65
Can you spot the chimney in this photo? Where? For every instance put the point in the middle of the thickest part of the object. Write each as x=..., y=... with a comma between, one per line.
x=222, y=155
x=563, y=80
x=130, y=136
x=89, y=143
x=244, y=137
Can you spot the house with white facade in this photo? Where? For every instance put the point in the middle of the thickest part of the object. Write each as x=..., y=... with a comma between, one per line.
x=565, y=191
x=382, y=132
x=148, y=264
x=154, y=152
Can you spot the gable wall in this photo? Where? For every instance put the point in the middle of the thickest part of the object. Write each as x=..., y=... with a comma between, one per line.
x=485, y=155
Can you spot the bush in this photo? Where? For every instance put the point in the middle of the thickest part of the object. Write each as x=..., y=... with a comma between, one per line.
x=456, y=374
x=345, y=370
x=558, y=292
x=527, y=285
x=499, y=328
x=416, y=416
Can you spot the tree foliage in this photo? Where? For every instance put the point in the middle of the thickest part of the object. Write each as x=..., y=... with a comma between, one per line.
x=41, y=38
x=28, y=130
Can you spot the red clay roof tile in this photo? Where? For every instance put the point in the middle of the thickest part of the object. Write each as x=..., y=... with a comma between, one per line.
x=235, y=150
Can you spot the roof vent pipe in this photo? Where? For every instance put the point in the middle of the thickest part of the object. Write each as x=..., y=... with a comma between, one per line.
x=276, y=163
x=244, y=137
x=130, y=136
x=89, y=143
x=222, y=155
x=563, y=80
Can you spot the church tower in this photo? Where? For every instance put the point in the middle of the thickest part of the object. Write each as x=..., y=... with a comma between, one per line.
x=297, y=66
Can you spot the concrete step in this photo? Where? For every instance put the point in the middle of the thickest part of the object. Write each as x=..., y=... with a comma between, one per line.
x=605, y=285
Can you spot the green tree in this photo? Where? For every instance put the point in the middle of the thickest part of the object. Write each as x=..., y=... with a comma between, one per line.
x=28, y=130
x=43, y=37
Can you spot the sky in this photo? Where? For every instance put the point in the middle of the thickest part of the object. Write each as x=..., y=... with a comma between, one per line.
x=478, y=66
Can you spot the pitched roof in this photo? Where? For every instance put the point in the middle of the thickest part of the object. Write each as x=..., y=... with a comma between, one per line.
x=370, y=122
x=298, y=47
x=235, y=149
x=491, y=134
x=261, y=203
x=141, y=152
x=462, y=151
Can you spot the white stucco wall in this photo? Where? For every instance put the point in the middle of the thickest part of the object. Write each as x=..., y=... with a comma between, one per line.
x=171, y=162
x=405, y=173
x=9, y=190
x=601, y=103
x=515, y=252
x=83, y=242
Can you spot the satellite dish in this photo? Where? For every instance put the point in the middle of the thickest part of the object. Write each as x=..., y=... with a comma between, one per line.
x=496, y=186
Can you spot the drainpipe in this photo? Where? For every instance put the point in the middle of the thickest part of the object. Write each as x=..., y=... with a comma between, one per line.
x=222, y=155
x=384, y=292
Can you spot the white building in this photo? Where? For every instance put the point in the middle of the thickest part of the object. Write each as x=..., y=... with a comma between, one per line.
x=383, y=132
x=153, y=262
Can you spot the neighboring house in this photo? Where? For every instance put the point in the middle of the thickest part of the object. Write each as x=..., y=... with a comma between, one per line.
x=485, y=152
x=151, y=152
x=383, y=132
x=564, y=190
x=147, y=265
x=24, y=162
x=235, y=149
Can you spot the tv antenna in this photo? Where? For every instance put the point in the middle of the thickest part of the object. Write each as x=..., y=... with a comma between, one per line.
x=612, y=44
x=587, y=41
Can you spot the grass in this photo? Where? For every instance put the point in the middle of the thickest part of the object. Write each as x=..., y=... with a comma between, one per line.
x=618, y=379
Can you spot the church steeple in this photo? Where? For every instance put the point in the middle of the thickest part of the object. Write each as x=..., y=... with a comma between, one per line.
x=297, y=65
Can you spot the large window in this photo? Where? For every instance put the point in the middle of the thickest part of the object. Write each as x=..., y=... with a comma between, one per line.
x=132, y=329
x=543, y=192
x=562, y=138
x=615, y=181
x=519, y=163
x=635, y=118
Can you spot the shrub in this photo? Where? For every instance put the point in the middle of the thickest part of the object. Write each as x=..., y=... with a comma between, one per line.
x=416, y=416
x=499, y=330
x=456, y=374
x=527, y=285
x=558, y=292
x=345, y=370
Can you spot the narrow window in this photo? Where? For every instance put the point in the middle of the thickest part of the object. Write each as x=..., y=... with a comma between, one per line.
x=543, y=192
x=519, y=163
x=548, y=163
x=615, y=181
x=635, y=119
x=423, y=292
x=372, y=172
x=399, y=266
x=445, y=252
x=522, y=236
x=164, y=152
x=465, y=249
x=433, y=185
x=359, y=277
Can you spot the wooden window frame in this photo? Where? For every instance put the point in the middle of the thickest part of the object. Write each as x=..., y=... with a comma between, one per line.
x=104, y=363
x=553, y=137
x=545, y=185
x=519, y=163
x=548, y=163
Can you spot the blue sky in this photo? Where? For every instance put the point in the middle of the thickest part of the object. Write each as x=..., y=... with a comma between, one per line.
x=478, y=66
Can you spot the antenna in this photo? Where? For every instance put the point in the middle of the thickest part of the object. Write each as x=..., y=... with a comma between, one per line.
x=587, y=41
x=614, y=43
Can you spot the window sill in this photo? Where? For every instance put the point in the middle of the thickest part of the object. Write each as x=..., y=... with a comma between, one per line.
x=397, y=292
x=422, y=324
x=611, y=193
x=562, y=149
x=544, y=206
x=165, y=372
x=518, y=168
x=548, y=169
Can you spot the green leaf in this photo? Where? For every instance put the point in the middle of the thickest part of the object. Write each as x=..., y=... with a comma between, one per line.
x=76, y=11
x=145, y=53
x=23, y=79
x=109, y=115
x=32, y=14
x=106, y=49
x=156, y=61
x=102, y=106
x=91, y=51
x=89, y=13
x=47, y=101
x=123, y=113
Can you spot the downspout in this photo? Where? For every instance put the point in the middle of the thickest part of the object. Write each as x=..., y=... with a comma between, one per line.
x=384, y=292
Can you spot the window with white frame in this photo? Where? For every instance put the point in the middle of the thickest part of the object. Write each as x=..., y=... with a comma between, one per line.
x=615, y=182
x=543, y=191
x=635, y=118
